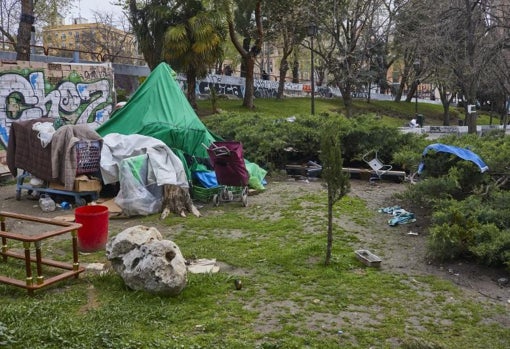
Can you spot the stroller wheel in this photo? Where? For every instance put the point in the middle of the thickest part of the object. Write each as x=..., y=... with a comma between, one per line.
x=216, y=200
x=245, y=200
x=230, y=196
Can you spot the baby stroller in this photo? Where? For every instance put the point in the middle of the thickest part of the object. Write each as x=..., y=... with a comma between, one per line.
x=231, y=173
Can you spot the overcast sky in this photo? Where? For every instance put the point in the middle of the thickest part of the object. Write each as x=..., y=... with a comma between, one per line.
x=87, y=8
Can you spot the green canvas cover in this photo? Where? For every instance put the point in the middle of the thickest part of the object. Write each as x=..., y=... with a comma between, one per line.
x=159, y=109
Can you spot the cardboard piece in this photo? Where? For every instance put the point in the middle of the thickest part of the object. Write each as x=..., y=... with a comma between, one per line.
x=112, y=206
x=84, y=183
x=81, y=183
x=66, y=218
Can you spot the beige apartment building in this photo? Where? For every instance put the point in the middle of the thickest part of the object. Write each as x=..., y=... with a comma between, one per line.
x=95, y=42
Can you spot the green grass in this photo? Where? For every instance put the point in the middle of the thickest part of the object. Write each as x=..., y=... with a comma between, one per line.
x=391, y=113
x=289, y=298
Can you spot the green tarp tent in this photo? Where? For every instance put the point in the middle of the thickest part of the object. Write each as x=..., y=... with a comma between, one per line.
x=159, y=109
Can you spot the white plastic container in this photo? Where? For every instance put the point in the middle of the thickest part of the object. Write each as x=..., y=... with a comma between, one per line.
x=46, y=203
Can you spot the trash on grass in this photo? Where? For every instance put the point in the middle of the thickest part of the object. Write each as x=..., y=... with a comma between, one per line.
x=203, y=266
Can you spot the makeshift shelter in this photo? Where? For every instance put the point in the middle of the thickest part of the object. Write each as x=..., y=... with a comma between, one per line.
x=160, y=109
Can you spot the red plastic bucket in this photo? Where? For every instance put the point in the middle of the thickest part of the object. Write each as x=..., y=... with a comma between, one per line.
x=93, y=234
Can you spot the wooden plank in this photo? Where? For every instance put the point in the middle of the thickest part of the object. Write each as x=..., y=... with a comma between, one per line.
x=400, y=175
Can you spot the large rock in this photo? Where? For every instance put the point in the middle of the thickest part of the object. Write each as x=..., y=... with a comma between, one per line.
x=147, y=262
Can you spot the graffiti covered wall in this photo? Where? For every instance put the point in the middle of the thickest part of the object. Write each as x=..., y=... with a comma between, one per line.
x=79, y=93
x=235, y=86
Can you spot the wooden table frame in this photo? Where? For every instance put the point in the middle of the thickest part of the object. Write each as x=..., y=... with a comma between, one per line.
x=62, y=227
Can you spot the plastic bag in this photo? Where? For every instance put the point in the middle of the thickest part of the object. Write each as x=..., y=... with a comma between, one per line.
x=45, y=132
x=135, y=197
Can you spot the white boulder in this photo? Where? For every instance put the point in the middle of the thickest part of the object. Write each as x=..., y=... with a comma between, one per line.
x=147, y=262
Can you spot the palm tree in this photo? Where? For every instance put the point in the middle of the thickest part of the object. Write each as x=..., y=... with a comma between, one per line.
x=194, y=43
x=150, y=22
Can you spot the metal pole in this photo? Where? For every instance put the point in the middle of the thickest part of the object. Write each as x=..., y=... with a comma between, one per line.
x=416, y=99
x=312, y=78
x=2, y=24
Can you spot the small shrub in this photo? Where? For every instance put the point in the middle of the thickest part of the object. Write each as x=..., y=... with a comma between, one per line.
x=492, y=245
x=272, y=141
x=429, y=192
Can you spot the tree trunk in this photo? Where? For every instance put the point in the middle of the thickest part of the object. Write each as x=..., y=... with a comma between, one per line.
x=177, y=200
x=346, y=91
x=191, y=79
x=329, y=245
x=284, y=67
x=398, y=93
x=249, y=90
x=470, y=119
x=246, y=48
x=25, y=30
x=470, y=93
x=295, y=71
x=412, y=91
x=445, y=101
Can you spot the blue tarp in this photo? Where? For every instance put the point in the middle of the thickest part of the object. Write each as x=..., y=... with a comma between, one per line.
x=462, y=153
x=206, y=178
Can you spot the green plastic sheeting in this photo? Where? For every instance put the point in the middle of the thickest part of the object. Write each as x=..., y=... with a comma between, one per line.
x=160, y=109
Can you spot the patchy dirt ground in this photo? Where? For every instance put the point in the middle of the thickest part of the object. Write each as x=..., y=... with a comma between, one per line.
x=402, y=248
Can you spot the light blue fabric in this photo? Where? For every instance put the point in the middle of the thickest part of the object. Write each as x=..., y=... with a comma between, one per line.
x=462, y=153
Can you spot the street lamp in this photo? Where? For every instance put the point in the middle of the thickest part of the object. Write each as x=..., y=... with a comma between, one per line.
x=417, y=66
x=311, y=30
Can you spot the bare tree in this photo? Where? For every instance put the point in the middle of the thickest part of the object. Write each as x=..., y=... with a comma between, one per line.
x=285, y=30
x=26, y=22
x=461, y=39
x=248, y=51
x=343, y=27
x=9, y=18
x=109, y=42
x=30, y=9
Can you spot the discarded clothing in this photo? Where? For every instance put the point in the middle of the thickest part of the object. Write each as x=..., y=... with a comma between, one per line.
x=401, y=217
x=389, y=209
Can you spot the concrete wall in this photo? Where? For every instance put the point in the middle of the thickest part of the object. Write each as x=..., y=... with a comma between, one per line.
x=80, y=93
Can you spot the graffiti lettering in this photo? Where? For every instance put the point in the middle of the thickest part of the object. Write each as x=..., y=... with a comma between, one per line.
x=25, y=98
x=204, y=87
x=102, y=88
x=265, y=89
x=93, y=74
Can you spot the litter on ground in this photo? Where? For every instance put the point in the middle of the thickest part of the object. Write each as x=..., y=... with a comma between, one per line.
x=400, y=215
x=203, y=266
